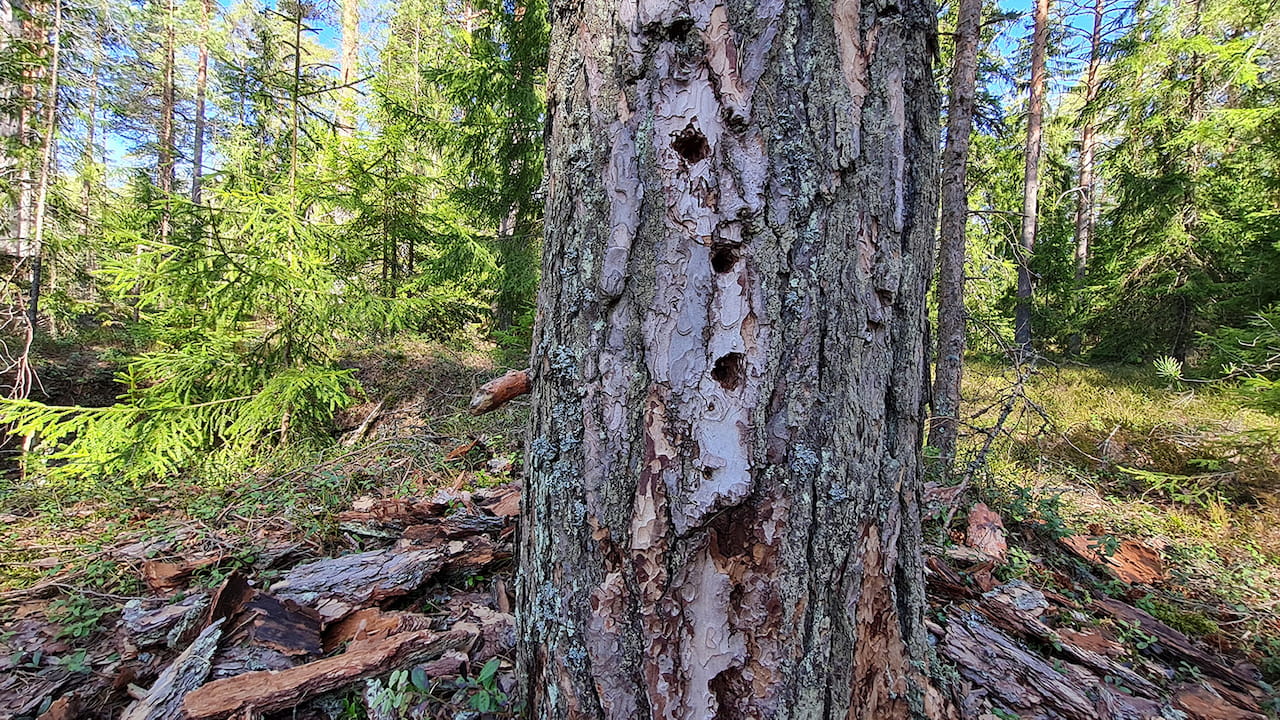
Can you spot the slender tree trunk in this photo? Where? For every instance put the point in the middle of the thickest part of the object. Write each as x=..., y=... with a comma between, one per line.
x=46, y=169
x=1086, y=205
x=721, y=517
x=350, y=47
x=202, y=81
x=12, y=130
x=168, y=152
x=90, y=147
x=1185, y=311
x=295, y=98
x=1031, y=180
x=515, y=256
x=955, y=216
x=19, y=100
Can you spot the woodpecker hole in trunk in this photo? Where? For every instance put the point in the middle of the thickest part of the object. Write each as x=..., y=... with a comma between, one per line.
x=730, y=371
x=691, y=145
x=723, y=258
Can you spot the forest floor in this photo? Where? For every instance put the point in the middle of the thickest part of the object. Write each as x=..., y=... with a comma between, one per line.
x=1125, y=556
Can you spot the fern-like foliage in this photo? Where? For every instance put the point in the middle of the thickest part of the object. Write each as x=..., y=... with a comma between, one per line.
x=180, y=405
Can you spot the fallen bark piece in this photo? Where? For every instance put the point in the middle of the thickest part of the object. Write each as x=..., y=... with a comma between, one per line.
x=1019, y=623
x=230, y=596
x=937, y=497
x=335, y=587
x=165, y=625
x=999, y=670
x=267, y=691
x=281, y=625
x=1201, y=703
x=1019, y=594
x=372, y=624
x=66, y=707
x=503, y=502
x=449, y=664
x=1092, y=641
x=1132, y=562
x=500, y=391
x=458, y=525
x=461, y=451
x=469, y=556
x=165, y=577
x=1020, y=680
x=1175, y=647
x=241, y=659
x=184, y=674
x=497, y=633
x=359, y=433
x=382, y=518
x=986, y=533
x=943, y=581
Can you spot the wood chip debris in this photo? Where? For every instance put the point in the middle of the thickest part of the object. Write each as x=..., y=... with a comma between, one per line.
x=1049, y=652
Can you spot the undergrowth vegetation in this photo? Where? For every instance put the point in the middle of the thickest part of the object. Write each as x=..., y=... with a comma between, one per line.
x=1120, y=452
x=70, y=521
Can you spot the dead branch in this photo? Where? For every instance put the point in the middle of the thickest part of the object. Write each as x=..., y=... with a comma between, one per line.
x=266, y=691
x=498, y=392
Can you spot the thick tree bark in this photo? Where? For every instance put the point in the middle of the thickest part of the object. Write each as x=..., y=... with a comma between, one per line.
x=949, y=366
x=1031, y=180
x=202, y=81
x=1086, y=205
x=721, y=517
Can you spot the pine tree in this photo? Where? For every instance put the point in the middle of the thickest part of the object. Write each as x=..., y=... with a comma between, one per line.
x=1031, y=175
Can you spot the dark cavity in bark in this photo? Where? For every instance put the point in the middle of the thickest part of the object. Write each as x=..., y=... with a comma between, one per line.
x=691, y=145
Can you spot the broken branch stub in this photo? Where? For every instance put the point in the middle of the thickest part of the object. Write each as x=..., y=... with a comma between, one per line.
x=500, y=391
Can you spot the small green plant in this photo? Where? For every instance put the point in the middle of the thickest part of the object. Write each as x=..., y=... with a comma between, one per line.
x=1170, y=369
x=487, y=696
x=76, y=615
x=403, y=690
x=75, y=663
x=1196, y=490
x=1188, y=623
x=1188, y=672
x=1132, y=634
x=1105, y=545
x=1023, y=504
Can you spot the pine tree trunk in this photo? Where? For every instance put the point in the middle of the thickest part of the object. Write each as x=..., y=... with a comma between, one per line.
x=11, y=130
x=1031, y=180
x=1183, y=308
x=295, y=99
x=17, y=130
x=90, y=147
x=46, y=170
x=1086, y=205
x=721, y=517
x=350, y=46
x=167, y=154
x=202, y=81
x=949, y=367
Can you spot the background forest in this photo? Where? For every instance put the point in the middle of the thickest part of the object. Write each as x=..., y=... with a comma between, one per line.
x=230, y=197
x=241, y=231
